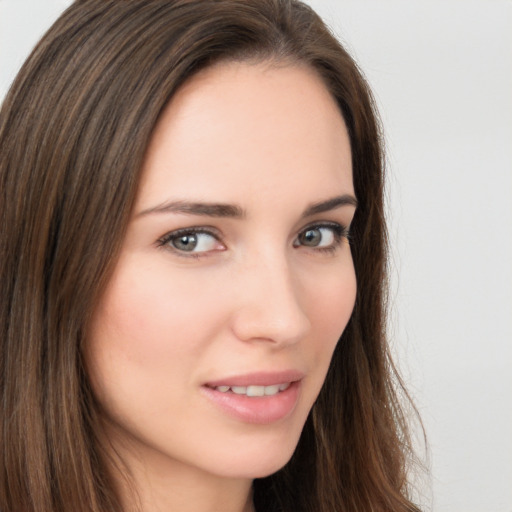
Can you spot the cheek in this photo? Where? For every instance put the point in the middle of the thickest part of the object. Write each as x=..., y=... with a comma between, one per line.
x=332, y=304
x=149, y=332
x=145, y=315
x=330, y=307
x=129, y=333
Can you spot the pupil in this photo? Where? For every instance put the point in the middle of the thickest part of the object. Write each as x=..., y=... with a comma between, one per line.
x=186, y=242
x=311, y=237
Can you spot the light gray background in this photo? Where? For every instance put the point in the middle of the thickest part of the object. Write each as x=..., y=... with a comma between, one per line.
x=442, y=75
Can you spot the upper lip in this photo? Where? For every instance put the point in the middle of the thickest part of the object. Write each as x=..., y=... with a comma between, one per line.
x=264, y=378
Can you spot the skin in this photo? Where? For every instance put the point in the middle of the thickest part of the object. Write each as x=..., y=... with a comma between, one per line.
x=250, y=297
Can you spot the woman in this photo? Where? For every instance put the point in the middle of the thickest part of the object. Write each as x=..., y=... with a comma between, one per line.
x=181, y=324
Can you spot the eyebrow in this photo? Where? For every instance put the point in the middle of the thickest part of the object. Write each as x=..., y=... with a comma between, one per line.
x=236, y=212
x=197, y=208
x=330, y=204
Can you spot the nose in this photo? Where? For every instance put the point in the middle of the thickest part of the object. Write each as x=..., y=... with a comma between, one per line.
x=268, y=306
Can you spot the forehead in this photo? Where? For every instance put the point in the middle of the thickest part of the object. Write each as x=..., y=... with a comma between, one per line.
x=238, y=128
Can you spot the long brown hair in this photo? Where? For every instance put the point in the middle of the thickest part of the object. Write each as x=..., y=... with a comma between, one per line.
x=74, y=128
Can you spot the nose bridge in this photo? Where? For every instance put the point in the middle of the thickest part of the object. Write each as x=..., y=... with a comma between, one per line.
x=269, y=303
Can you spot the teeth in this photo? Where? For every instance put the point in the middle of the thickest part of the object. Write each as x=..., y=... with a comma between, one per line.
x=271, y=390
x=255, y=390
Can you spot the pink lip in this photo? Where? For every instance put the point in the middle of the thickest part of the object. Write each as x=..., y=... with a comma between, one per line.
x=257, y=410
x=258, y=379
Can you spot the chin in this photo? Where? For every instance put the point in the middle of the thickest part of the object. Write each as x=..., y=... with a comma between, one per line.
x=259, y=460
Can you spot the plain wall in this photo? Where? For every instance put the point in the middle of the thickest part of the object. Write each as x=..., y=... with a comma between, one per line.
x=442, y=75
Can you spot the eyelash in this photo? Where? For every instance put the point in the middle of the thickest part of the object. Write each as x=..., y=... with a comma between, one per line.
x=164, y=242
x=339, y=232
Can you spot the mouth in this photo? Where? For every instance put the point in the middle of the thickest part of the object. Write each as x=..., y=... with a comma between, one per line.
x=254, y=390
x=258, y=398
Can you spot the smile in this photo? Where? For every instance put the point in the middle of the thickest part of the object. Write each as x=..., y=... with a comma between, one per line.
x=257, y=398
x=254, y=390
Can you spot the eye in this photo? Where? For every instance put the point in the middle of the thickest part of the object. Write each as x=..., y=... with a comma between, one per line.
x=323, y=236
x=192, y=241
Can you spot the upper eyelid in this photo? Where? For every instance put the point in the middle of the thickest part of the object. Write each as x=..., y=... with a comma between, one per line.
x=163, y=243
x=323, y=223
x=193, y=229
x=165, y=239
x=327, y=224
x=214, y=232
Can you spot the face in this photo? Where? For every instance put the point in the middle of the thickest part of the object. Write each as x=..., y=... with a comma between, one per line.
x=235, y=279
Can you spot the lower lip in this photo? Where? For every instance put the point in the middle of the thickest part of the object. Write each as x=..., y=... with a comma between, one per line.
x=260, y=410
